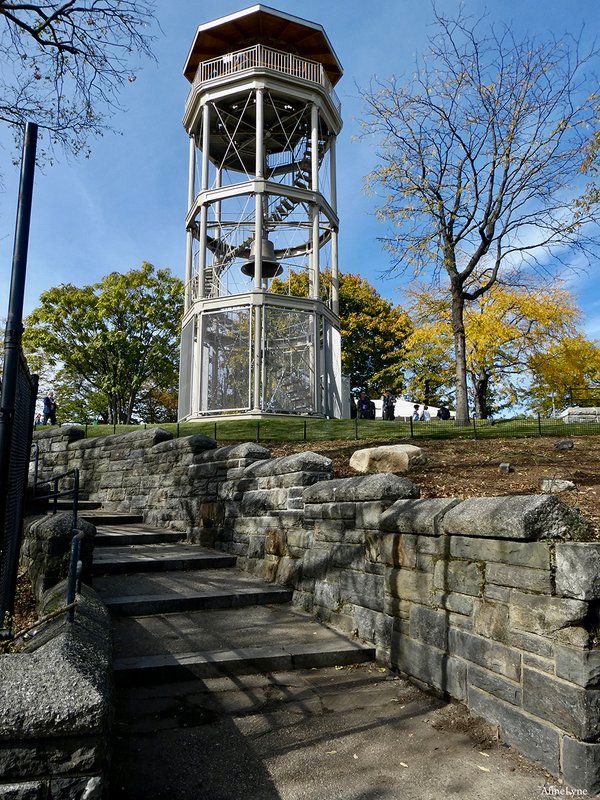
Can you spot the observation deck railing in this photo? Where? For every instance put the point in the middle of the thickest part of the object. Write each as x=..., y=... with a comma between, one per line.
x=261, y=57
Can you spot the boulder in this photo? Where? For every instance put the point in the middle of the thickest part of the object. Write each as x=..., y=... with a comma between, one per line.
x=564, y=444
x=387, y=458
x=554, y=485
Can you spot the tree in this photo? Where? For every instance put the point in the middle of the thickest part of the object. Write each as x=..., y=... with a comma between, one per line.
x=480, y=152
x=63, y=63
x=504, y=330
x=115, y=337
x=373, y=330
x=572, y=363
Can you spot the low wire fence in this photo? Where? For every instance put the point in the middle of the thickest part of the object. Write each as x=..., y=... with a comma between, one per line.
x=313, y=430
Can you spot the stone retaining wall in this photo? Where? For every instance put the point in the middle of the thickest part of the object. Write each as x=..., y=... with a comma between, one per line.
x=494, y=601
x=56, y=708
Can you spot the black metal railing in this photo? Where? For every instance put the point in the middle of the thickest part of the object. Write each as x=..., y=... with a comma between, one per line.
x=13, y=487
x=75, y=562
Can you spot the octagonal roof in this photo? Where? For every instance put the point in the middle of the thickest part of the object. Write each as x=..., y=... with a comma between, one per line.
x=263, y=25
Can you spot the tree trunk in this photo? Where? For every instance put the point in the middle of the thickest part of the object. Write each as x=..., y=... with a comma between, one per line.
x=460, y=356
x=481, y=383
x=130, y=405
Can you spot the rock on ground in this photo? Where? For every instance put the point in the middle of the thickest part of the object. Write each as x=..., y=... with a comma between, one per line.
x=388, y=458
x=553, y=485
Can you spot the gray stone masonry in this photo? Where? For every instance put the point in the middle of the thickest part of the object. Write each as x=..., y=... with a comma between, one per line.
x=493, y=601
x=57, y=706
x=46, y=550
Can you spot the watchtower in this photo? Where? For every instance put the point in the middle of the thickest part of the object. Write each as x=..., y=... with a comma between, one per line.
x=260, y=332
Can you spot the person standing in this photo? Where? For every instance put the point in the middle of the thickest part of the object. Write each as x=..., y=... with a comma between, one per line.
x=426, y=416
x=364, y=406
x=443, y=412
x=389, y=405
x=415, y=415
x=50, y=406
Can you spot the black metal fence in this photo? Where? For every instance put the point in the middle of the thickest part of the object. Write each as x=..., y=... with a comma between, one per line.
x=13, y=489
x=294, y=429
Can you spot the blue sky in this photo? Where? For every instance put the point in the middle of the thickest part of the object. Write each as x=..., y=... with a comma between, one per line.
x=126, y=203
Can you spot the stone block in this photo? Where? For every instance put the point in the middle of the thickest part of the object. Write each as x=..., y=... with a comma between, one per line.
x=345, y=510
x=454, y=602
x=465, y=577
x=539, y=663
x=417, y=516
x=275, y=541
x=297, y=462
x=534, y=580
x=410, y=585
x=578, y=570
x=84, y=788
x=259, y=501
x=351, y=556
x=315, y=564
x=499, y=593
x=256, y=547
x=31, y=790
x=373, y=543
x=362, y=588
x=288, y=571
x=571, y=708
x=299, y=539
x=360, y=489
x=485, y=652
x=430, y=665
x=575, y=636
x=399, y=550
x=327, y=594
x=527, y=517
x=430, y=627
x=538, y=742
x=578, y=666
x=387, y=458
x=492, y=683
x=491, y=620
x=368, y=514
x=544, y=615
x=581, y=765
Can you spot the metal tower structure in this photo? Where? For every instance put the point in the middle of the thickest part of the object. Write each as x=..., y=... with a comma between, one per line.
x=260, y=332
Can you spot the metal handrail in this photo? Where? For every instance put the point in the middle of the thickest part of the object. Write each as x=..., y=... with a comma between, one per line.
x=75, y=563
x=257, y=57
x=36, y=461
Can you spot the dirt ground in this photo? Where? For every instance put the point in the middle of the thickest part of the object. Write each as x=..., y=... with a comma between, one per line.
x=467, y=468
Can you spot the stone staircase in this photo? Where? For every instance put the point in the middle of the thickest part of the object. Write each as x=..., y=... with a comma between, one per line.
x=184, y=611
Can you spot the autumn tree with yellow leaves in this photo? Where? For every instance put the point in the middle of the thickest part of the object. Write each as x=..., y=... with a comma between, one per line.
x=507, y=332
x=569, y=364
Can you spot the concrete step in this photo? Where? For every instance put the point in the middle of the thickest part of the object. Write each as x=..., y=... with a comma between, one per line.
x=260, y=638
x=82, y=505
x=108, y=518
x=164, y=592
x=157, y=558
x=245, y=661
x=121, y=536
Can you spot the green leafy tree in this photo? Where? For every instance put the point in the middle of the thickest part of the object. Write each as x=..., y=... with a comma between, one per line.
x=374, y=331
x=114, y=337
